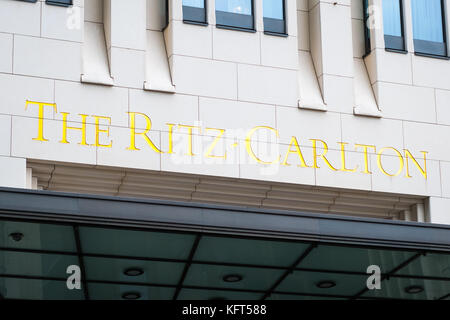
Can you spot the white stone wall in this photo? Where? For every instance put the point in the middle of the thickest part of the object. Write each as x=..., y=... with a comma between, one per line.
x=306, y=85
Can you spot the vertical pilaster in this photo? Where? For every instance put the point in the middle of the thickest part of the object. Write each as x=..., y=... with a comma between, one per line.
x=259, y=22
x=331, y=48
x=125, y=26
x=408, y=25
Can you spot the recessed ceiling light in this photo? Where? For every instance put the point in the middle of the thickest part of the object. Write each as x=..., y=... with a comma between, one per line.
x=131, y=295
x=232, y=278
x=413, y=289
x=16, y=236
x=326, y=284
x=133, y=272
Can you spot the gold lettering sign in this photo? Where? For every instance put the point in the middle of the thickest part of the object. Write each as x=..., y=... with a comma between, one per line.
x=294, y=155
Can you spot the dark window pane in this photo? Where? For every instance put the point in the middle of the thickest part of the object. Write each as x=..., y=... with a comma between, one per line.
x=366, y=27
x=394, y=42
x=235, y=6
x=234, y=13
x=195, y=294
x=392, y=24
x=102, y=291
x=433, y=264
x=430, y=47
x=306, y=282
x=16, y=288
x=353, y=259
x=427, y=20
x=37, y=236
x=428, y=27
x=249, y=251
x=164, y=13
x=392, y=18
x=154, y=272
x=273, y=11
x=133, y=243
x=194, y=11
x=395, y=288
x=36, y=264
x=59, y=2
x=212, y=276
x=194, y=3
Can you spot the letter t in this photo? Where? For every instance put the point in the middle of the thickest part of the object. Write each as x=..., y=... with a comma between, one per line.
x=41, y=105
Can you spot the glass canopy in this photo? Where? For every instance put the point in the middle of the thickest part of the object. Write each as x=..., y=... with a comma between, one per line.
x=168, y=265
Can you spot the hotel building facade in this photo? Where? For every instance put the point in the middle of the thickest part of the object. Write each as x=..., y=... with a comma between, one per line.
x=224, y=149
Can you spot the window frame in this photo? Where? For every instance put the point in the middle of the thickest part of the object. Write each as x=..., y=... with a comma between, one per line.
x=396, y=43
x=274, y=24
x=193, y=15
x=240, y=22
x=61, y=3
x=432, y=48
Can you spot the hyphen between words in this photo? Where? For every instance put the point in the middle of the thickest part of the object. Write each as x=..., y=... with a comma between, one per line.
x=294, y=156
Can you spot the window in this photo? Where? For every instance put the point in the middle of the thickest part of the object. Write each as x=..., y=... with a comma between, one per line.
x=393, y=25
x=274, y=16
x=235, y=14
x=194, y=11
x=164, y=13
x=64, y=3
x=366, y=26
x=429, y=27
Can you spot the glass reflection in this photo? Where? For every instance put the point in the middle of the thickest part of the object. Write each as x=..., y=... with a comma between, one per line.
x=235, y=6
